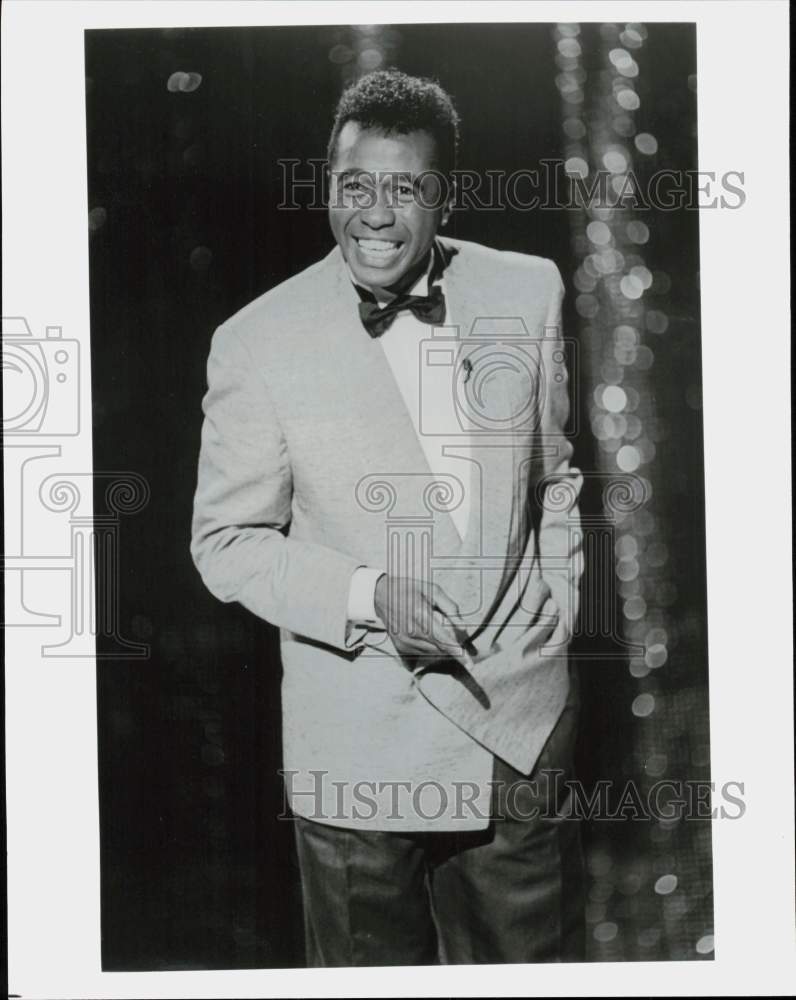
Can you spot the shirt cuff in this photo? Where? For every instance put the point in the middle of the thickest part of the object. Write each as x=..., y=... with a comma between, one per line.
x=361, y=597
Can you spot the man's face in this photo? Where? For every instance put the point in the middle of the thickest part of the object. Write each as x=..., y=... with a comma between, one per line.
x=384, y=220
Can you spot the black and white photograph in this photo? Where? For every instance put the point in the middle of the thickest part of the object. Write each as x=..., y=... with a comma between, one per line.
x=374, y=544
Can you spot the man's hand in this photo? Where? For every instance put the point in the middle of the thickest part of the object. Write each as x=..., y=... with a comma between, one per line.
x=418, y=618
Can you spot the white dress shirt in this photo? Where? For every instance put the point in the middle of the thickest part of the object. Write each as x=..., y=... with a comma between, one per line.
x=401, y=344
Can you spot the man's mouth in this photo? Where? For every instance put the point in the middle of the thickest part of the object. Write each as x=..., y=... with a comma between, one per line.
x=378, y=253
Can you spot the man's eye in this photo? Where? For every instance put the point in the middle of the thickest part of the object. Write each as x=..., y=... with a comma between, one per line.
x=353, y=186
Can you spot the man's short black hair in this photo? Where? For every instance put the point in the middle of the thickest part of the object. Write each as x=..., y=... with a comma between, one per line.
x=393, y=102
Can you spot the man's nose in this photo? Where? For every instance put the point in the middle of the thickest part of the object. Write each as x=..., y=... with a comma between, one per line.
x=378, y=213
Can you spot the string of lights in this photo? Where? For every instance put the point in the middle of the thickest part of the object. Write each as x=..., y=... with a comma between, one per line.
x=619, y=304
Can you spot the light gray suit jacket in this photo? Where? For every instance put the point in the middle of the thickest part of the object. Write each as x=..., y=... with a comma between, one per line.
x=310, y=467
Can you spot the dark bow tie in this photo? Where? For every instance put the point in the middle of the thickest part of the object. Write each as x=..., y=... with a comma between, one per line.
x=427, y=308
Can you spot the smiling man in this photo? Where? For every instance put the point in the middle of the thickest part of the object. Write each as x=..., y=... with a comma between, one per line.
x=384, y=212
x=385, y=475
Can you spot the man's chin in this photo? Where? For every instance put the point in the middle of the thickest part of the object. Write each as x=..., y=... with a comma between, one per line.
x=377, y=277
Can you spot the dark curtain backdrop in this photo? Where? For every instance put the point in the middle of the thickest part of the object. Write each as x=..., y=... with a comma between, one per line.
x=184, y=230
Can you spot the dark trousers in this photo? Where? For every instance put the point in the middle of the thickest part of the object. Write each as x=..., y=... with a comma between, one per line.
x=510, y=893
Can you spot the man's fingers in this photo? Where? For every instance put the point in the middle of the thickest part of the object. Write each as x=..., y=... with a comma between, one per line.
x=448, y=609
x=444, y=603
x=435, y=638
x=459, y=634
x=418, y=648
x=420, y=620
x=435, y=635
x=447, y=635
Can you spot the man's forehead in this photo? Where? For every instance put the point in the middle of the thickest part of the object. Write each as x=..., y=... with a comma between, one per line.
x=373, y=149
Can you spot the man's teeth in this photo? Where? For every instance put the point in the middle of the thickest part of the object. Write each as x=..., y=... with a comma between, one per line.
x=377, y=245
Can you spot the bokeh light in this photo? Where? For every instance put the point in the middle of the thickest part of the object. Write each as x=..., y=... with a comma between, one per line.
x=605, y=931
x=624, y=278
x=182, y=82
x=576, y=166
x=704, y=945
x=643, y=705
x=628, y=458
x=656, y=656
x=666, y=884
x=615, y=161
x=599, y=233
x=628, y=99
x=637, y=232
x=632, y=287
x=97, y=218
x=646, y=143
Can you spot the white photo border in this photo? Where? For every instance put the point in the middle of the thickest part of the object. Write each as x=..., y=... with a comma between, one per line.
x=53, y=828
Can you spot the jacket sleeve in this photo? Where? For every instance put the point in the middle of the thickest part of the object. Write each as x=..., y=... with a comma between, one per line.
x=559, y=485
x=242, y=510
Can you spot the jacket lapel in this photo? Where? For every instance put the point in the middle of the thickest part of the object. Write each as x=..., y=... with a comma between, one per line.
x=492, y=533
x=386, y=428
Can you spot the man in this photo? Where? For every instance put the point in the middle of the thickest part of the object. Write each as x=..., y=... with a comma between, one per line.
x=384, y=475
